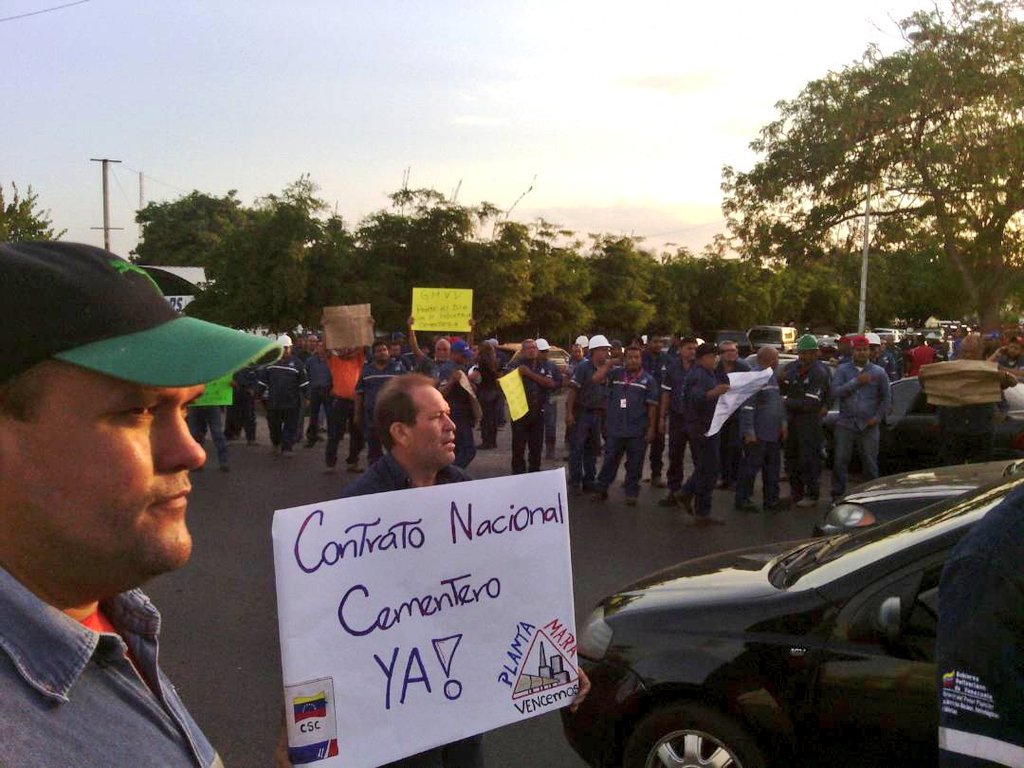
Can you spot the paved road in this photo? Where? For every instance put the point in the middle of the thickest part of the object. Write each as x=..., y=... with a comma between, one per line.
x=220, y=632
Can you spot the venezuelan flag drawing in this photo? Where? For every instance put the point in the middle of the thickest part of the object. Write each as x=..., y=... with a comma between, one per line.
x=948, y=679
x=310, y=706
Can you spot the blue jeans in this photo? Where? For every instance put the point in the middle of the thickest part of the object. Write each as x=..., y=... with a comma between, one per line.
x=866, y=442
x=203, y=417
x=634, y=448
x=550, y=422
x=701, y=484
x=678, y=437
x=586, y=437
x=760, y=457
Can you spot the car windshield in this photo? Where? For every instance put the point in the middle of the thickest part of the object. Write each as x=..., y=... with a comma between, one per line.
x=764, y=334
x=815, y=564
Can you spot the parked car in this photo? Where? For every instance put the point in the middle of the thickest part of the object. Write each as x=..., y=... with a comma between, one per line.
x=782, y=337
x=887, y=498
x=740, y=337
x=818, y=652
x=909, y=436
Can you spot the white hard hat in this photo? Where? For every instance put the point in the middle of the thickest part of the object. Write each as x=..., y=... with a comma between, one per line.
x=582, y=341
x=284, y=340
x=599, y=341
x=873, y=338
x=542, y=345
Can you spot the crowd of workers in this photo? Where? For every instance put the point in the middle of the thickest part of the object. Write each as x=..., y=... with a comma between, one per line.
x=639, y=400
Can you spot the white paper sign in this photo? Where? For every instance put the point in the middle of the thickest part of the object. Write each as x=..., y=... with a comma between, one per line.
x=414, y=618
x=741, y=386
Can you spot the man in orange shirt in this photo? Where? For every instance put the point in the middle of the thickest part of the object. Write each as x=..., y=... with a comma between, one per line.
x=345, y=365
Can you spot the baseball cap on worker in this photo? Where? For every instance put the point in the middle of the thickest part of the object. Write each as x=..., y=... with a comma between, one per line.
x=89, y=307
x=807, y=343
x=706, y=348
x=859, y=340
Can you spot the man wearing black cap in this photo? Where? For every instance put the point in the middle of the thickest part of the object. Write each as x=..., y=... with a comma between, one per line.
x=94, y=463
x=704, y=386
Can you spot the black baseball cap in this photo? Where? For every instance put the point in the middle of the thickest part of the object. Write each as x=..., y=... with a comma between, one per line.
x=707, y=348
x=90, y=307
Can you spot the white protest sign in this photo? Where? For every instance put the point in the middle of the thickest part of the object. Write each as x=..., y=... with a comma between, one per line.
x=414, y=618
x=741, y=387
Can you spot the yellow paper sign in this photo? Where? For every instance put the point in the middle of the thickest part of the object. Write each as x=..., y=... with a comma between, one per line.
x=515, y=394
x=217, y=392
x=442, y=309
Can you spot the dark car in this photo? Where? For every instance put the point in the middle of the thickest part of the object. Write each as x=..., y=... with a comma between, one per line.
x=909, y=436
x=887, y=498
x=740, y=337
x=810, y=653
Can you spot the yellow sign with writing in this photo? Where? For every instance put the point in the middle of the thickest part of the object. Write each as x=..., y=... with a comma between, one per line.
x=515, y=394
x=442, y=309
x=217, y=392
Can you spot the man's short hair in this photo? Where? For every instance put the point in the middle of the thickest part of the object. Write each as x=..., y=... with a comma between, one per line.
x=687, y=340
x=382, y=343
x=395, y=404
x=20, y=396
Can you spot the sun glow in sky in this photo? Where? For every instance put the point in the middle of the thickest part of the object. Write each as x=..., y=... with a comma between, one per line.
x=624, y=112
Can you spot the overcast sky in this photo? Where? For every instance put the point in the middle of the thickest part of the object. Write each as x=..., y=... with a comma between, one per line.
x=624, y=112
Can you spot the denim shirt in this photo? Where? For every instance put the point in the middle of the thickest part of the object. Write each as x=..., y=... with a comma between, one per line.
x=372, y=380
x=636, y=394
x=860, y=402
x=71, y=696
x=674, y=382
x=762, y=415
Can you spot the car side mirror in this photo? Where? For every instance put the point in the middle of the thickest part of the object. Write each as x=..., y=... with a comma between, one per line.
x=889, y=619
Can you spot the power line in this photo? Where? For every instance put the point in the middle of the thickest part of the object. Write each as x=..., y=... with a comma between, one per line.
x=45, y=10
x=151, y=178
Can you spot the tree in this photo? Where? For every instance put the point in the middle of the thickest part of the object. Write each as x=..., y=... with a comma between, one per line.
x=184, y=232
x=21, y=220
x=621, y=281
x=259, y=272
x=935, y=133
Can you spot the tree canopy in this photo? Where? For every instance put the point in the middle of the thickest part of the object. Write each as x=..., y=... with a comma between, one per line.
x=21, y=219
x=933, y=132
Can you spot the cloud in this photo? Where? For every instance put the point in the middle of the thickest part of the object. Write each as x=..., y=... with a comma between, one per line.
x=662, y=226
x=477, y=120
x=673, y=85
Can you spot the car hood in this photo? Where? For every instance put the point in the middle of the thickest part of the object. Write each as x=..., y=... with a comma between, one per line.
x=938, y=482
x=723, y=578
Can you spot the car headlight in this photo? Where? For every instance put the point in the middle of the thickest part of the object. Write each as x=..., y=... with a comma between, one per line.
x=848, y=515
x=594, y=637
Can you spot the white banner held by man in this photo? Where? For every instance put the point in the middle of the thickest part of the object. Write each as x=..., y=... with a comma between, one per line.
x=741, y=386
x=414, y=618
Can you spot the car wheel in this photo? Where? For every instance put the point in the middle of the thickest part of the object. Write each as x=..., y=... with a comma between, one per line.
x=690, y=736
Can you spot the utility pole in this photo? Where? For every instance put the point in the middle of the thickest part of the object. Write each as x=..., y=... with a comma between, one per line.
x=106, y=201
x=142, y=201
x=862, y=311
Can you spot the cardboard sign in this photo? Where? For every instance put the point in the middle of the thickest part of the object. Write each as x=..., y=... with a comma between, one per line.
x=961, y=382
x=347, y=326
x=442, y=309
x=217, y=392
x=414, y=618
x=515, y=394
x=741, y=386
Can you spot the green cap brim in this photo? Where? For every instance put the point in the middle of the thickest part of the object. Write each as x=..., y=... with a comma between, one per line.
x=180, y=353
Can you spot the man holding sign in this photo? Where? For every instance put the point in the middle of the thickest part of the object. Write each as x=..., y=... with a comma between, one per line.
x=414, y=423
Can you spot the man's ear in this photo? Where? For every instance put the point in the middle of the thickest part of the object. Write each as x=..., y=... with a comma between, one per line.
x=399, y=433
